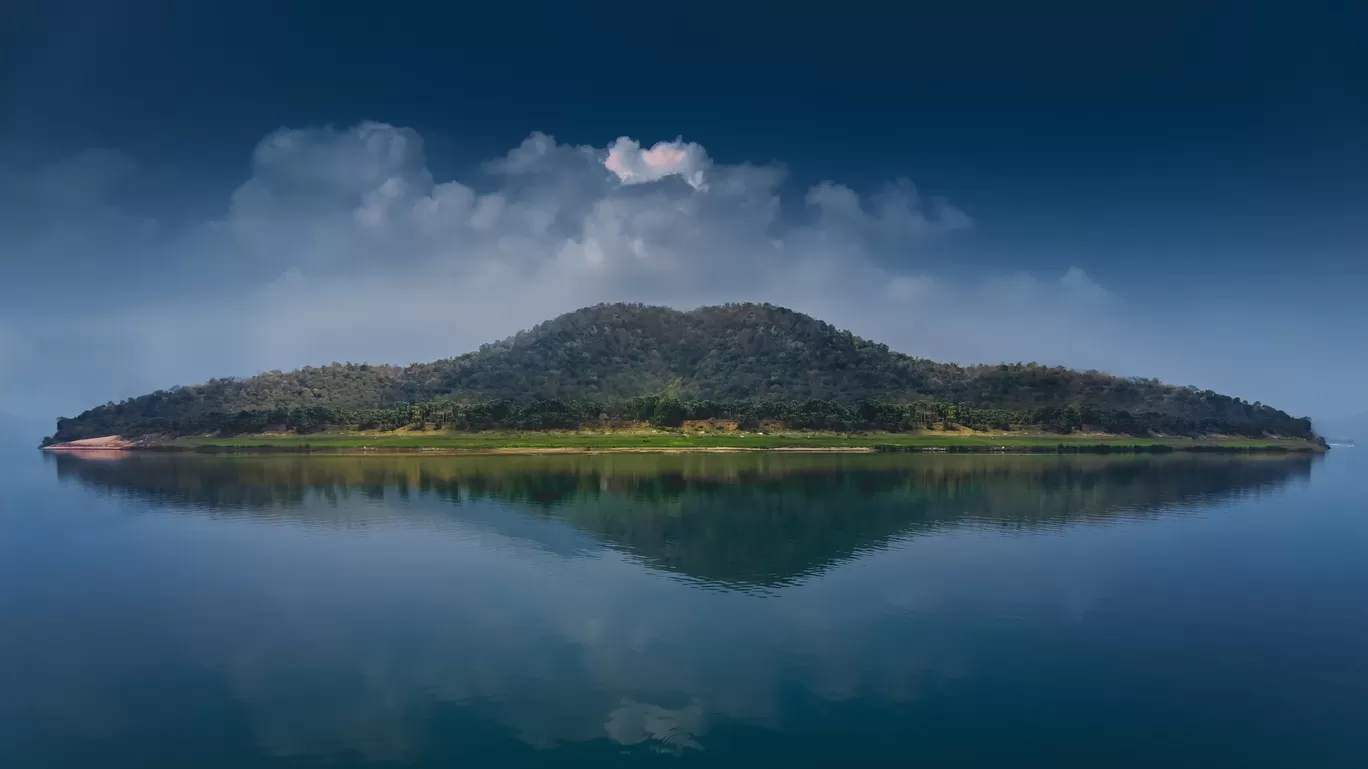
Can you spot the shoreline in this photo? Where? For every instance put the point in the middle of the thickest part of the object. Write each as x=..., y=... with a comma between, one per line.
x=440, y=450
x=676, y=443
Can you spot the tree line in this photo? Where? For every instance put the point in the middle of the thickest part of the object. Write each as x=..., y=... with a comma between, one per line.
x=669, y=411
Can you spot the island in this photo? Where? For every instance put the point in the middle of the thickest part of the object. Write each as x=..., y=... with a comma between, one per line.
x=632, y=377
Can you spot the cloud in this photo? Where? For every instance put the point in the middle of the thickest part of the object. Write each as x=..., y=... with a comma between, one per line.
x=353, y=219
x=364, y=200
x=342, y=245
x=895, y=211
x=633, y=165
x=327, y=162
x=1077, y=282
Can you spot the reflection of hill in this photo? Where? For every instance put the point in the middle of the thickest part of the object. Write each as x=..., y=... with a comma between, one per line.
x=734, y=518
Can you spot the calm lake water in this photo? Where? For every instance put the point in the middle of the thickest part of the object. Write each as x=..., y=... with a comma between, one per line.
x=728, y=610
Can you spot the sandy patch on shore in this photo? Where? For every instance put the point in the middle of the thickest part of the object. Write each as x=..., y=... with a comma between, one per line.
x=107, y=443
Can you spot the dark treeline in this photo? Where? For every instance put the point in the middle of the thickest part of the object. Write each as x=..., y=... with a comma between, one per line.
x=731, y=361
x=666, y=411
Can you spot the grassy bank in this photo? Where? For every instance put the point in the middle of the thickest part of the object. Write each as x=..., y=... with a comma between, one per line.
x=668, y=440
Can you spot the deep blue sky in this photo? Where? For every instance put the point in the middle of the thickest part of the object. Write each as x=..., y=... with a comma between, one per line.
x=1204, y=162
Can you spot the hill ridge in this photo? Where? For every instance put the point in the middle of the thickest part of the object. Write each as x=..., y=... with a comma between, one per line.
x=613, y=352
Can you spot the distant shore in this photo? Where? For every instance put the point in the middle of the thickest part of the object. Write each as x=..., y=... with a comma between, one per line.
x=664, y=441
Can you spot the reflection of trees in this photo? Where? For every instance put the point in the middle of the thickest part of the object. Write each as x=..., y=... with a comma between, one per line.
x=760, y=519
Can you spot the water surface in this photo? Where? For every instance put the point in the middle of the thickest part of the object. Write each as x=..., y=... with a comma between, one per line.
x=727, y=610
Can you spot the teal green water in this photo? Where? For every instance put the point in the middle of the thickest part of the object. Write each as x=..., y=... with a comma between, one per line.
x=722, y=610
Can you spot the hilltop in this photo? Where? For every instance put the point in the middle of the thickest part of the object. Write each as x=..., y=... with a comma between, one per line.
x=733, y=354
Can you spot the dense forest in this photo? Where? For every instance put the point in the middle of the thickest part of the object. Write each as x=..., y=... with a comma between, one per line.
x=628, y=362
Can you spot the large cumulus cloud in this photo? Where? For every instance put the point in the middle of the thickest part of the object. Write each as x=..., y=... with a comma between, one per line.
x=375, y=259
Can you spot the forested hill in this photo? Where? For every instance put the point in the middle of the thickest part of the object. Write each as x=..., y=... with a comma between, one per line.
x=739, y=352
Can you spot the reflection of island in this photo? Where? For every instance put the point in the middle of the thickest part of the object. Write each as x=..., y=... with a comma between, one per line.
x=710, y=517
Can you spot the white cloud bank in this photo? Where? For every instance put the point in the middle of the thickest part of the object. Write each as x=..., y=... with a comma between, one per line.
x=373, y=259
x=356, y=252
